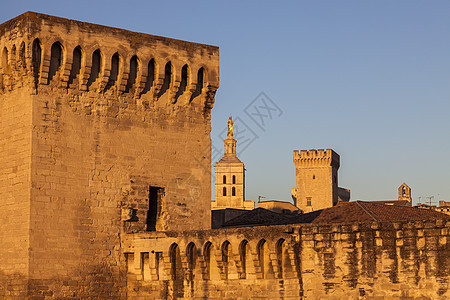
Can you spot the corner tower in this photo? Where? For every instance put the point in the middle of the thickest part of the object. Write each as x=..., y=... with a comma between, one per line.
x=102, y=133
x=316, y=179
x=230, y=177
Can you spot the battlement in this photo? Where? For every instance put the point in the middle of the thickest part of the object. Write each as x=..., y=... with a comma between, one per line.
x=46, y=53
x=313, y=157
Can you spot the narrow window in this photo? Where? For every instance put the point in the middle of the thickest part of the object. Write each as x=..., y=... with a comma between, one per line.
x=76, y=64
x=314, y=176
x=145, y=266
x=234, y=179
x=224, y=191
x=224, y=179
x=36, y=60
x=233, y=191
x=155, y=195
x=96, y=67
x=133, y=73
x=308, y=201
x=55, y=60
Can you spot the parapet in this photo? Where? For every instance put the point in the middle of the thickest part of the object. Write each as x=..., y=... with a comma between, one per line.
x=46, y=53
x=316, y=158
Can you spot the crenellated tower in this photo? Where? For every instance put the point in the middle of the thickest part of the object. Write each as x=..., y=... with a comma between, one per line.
x=103, y=132
x=316, y=179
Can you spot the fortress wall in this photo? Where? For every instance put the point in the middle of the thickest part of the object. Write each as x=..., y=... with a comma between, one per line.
x=100, y=136
x=406, y=260
x=15, y=183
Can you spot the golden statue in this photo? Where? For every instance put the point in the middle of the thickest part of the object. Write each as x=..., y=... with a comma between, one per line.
x=230, y=128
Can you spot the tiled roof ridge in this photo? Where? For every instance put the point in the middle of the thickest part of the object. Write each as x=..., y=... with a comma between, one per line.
x=367, y=210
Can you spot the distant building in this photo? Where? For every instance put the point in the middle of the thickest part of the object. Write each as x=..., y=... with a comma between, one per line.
x=281, y=207
x=230, y=178
x=317, y=180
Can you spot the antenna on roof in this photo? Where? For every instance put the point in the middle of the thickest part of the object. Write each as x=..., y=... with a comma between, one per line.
x=430, y=198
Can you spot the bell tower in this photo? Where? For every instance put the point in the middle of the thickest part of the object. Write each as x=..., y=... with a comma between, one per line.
x=230, y=177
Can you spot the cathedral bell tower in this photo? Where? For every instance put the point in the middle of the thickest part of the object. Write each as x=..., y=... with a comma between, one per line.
x=230, y=177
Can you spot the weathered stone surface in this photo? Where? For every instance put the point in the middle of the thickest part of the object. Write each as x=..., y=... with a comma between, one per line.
x=93, y=120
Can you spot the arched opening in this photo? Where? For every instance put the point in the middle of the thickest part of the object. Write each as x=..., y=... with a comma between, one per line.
x=280, y=258
x=36, y=60
x=263, y=258
x=5, y=65
x=207, y=260
x=233, y=191
x=134, y=67
x=176, y=270
x=225, y=258
x=150, y=76
x=224, y=191
x=13, y=58
x=191, y=254
x=22, y=60
x=184, y=81
x=224, y=179
x=234, y=179
x=96, y=67
x=114, y=74
x=243, y=249
x=200, y=83
x=76, y=64
x=167, y=78
x=55, y=60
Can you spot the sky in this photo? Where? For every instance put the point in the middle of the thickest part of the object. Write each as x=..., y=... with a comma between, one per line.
x=368, y=79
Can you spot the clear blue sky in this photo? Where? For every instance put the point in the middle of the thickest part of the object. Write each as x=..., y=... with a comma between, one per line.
x=370, y=79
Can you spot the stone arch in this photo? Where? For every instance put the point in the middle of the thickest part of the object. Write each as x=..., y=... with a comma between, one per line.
x=226, y=258
x=36, y=60
x=96, y=67
x=22, y=56
x=151, y=75
x=135, y=65
x=245, y=258
x=283, y=260
x=5, y=62
x=185, y=80
x=176, y=267
x=13, y=57
x=263, y=258
x=191, y=254
x=201, y=83
x=168, y=78
x=56, y=60
x=77, y=59
x=211, y=271
x=114, y=74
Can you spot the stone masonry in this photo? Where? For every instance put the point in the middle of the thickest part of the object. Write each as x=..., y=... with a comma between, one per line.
x=98, y=126
x=105, y=185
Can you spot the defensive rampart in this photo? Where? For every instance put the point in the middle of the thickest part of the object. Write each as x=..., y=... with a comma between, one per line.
x=98, y=125
x=396, y=260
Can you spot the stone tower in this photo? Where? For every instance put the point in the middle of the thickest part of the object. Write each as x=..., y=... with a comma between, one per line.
x=404, y=192
x=103, y=132
x=230, y=177
x=316, y=179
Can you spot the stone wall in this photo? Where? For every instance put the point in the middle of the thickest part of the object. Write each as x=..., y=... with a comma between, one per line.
x=400, y=260
x=93, y=120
